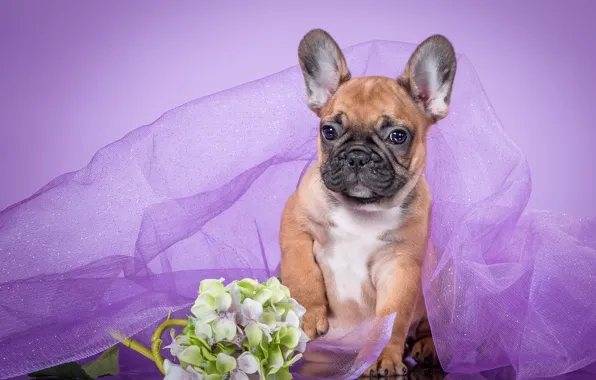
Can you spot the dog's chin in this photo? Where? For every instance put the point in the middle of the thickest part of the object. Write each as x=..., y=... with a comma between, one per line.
x=359, y=197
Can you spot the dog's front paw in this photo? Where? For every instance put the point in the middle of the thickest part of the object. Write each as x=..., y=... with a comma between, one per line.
x=388, y=364
x=315, y=323
x=424, y=351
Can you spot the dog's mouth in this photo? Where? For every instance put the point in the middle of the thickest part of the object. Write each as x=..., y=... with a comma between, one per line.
x=362, y=200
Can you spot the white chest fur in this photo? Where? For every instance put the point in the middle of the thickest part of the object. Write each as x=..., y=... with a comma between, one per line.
x=353, y=241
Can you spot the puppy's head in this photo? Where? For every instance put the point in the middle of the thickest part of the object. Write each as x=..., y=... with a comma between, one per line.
x=372, y=144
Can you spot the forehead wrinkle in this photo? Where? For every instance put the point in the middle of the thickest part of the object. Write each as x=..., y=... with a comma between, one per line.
x=364, y=100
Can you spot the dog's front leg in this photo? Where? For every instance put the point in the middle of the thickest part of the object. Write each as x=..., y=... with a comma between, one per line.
x=300, y=272
x=398, y=288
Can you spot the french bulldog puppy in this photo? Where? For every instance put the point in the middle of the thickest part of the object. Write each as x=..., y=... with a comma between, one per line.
x=354, y=234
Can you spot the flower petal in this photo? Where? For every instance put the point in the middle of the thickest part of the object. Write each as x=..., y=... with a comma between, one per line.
x=299, y=309
x=247, y=287
x=302, y=342
x=269, y=319
x=191, y=355
x=206, y=300
x=225, y=363
x=224, y=329
x=175, y=347
x=204, y=313
x=292, y=319
x=174, y=371
x=280, y=309
x=273, y=281
x=167, y=366
x=223, y=302
x=278, y=294
x=236, y=305
x=194, y=375
x=211, y=285
x=252, y=309
x=291, y=338
x=247, y=363
x=263, y=296
x=248, y=281
x=286, y=290
x=238, y=375
x=254, y=334
x=203, y=330
x=265, y=328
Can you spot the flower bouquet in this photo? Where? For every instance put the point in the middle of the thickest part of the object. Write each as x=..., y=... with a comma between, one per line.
x=242, y=330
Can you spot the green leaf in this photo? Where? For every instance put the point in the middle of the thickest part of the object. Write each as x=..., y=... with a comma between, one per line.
x=105, y=365
x=66, y=370
x=262, y=365
x=286, y=352
x=189, y=326
x=292, y=361
x=211, y=367
x=277, y=336
x=207, y=354
x=264, y=347
x=227, y=348
x=198, y=342
x=283, y=374
x=276, y=360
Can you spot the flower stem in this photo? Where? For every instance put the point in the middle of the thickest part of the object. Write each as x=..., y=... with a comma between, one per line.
x=156, y=339
x=154, y=354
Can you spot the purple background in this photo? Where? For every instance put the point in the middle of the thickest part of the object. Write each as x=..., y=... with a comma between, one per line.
x=75, y=76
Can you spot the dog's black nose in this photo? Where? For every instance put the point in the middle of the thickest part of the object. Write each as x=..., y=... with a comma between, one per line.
x=357, y=158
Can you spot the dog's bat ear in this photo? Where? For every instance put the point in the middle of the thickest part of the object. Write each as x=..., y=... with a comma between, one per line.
x=324, y=67
x=429, y=74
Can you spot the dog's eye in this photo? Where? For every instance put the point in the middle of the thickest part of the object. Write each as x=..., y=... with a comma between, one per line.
x=399, y=136
x=329, y=133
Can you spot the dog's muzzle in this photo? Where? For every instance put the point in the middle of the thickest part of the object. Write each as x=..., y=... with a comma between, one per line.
x=359, y=171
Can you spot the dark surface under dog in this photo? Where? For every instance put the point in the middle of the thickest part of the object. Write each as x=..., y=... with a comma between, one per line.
x=136, y=367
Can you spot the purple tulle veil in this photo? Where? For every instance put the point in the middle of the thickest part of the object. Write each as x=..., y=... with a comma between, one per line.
x=198, y=194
